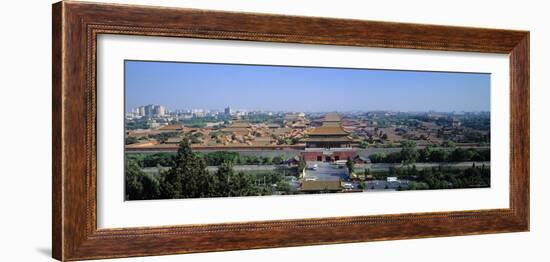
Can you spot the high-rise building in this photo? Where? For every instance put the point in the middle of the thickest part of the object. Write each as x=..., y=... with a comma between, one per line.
x=228, y=111
x=151, y=111
x=141, y=111
x=160, y=110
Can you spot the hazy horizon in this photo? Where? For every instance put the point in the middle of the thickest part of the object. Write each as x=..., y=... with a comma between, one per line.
x=308, y=112
x=185, y=86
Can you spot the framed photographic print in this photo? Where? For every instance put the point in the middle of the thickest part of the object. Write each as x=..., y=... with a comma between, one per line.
x=182, y=130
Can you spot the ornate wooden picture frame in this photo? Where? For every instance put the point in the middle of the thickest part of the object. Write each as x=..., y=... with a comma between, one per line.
x=76, y=26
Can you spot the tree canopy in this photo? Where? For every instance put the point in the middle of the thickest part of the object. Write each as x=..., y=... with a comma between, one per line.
x=188, y=177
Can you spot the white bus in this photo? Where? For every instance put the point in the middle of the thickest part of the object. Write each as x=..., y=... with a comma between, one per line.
x=341, y=162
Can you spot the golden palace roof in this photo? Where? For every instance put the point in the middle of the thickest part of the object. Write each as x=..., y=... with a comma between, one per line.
x=328, y=130
x=331, y=185
x=327, y=139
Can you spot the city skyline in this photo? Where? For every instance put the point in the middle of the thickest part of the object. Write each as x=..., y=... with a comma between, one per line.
x=221, y=110
x=185, y=86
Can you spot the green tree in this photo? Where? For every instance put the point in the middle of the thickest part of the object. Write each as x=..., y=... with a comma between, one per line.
x=223, y=179
x=409, y=154
x=267, y=160
x=137, y=158
x=219, y=157
x=140, y=185
x=130, y=140
x=277, y=160
x=377, y=157
x=448, y=143
x=133, y=185
x=458, y=155
x=186, y=178
x=302, y=164
x=158, y=159
x=284, y=186
x=151, y=187
x=241, y=184
x=425, y=154
x=439, y=156
x=350, y=165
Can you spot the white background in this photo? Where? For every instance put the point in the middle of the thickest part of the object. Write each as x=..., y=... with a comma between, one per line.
x=25, y=84
x=113, y=211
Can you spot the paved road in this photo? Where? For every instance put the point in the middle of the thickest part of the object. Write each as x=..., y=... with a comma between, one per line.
x=326, y=172
x=291, y=152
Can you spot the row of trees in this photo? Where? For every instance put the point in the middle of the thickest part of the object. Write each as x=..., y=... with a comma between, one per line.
x=409, y=154
x=200, y=122
x=211, y=159
x=437, y=178
x=140, y=123
x=219, y=157
x=188, y=178
x=440, y=177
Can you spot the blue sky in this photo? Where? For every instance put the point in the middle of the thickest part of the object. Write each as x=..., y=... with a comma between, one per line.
x=279, y=88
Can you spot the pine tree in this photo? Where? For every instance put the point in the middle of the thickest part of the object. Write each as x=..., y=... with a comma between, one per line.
x=151, y=186
x=140, y=185
x=133, y=185
x=241, y=184
x=186, y=177
x=224, y=176
x=350, y=165
x=302, y=164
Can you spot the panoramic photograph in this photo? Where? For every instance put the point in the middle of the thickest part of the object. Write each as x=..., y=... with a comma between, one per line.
x=205, y=130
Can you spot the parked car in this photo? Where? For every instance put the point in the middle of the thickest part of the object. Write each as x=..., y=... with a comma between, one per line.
x=313, y=167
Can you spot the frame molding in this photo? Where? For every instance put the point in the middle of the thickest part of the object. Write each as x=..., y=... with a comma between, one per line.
x=75, y=27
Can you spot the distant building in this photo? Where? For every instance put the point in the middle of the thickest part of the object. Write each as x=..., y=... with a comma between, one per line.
x=160, y=111
x=228, y=111
x=293, y=119
x=172, y=128
x=151, y=111
x=173, y=140
x=238, y=127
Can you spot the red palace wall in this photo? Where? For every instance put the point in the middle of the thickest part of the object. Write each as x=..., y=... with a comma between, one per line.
x=336, y=155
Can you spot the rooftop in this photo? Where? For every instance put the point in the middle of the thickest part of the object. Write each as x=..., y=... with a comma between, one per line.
x=175, y=127
x=332, y=117
x=328, y=130
x=333, y=149
x=239, y=124
x=329, y=185
x=328, y=139
x=173, y=140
